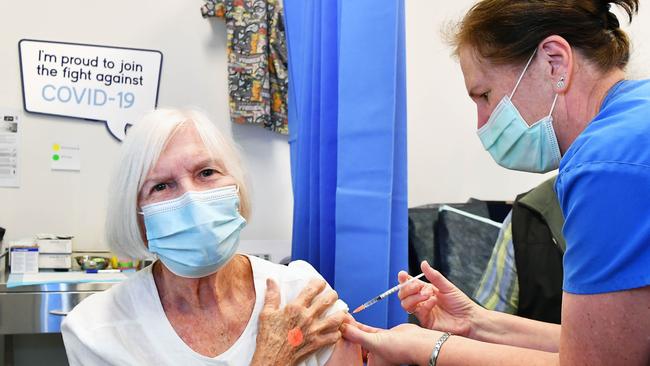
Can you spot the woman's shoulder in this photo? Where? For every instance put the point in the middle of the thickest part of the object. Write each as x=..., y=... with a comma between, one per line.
x=291, y=278
x=296, y=271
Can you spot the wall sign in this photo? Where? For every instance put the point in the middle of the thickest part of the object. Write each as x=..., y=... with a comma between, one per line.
x=66, y=156
x=10, y=128
x=115, y=85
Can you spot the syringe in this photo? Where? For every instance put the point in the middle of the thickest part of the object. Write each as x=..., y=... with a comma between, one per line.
x=385, y=294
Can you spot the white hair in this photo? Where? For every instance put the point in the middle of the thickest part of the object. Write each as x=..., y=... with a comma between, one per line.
x=139, y=154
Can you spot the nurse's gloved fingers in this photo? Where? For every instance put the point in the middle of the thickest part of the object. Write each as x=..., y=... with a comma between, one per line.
x=272, y=296
x=309, y=292
x=437, y=279
x=323, y=302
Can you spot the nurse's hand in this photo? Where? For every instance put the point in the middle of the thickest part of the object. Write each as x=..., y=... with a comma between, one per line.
x=439, y=304
x=403, y=344
x=287, y=335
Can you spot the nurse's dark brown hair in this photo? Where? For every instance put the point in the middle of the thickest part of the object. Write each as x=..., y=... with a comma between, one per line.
x=507, y=31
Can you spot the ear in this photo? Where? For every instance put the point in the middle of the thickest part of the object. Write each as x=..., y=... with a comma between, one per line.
x=557, y=53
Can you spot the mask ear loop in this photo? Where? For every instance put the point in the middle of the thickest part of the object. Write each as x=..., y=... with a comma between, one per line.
x=523, y=73
x=553, y=105
x=522, y=76
x=560, y=84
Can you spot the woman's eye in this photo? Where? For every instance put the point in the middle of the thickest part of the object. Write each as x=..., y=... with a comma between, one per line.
x=207, y=172
x=485, y=95
x=159, y=187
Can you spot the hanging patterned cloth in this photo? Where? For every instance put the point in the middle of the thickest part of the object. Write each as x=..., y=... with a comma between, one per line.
x=257, y=60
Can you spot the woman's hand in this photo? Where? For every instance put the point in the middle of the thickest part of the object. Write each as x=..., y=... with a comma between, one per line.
x=288, y=335
x=438, y=305
x=403, y=344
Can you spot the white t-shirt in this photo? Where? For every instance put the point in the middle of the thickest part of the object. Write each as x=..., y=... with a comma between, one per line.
x=126, y=325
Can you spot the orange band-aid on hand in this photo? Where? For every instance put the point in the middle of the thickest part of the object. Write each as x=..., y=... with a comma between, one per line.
x=295, y=337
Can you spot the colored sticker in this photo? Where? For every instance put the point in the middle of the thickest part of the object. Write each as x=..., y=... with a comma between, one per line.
x=295, y=337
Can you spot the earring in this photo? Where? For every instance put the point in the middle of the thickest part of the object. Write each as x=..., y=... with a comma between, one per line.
x=560, y=84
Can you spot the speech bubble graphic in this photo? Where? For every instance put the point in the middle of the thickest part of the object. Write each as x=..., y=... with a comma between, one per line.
x=115, y=85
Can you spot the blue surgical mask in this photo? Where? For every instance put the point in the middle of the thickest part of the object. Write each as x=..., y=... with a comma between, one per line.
x=197, y=233
x=515, y=145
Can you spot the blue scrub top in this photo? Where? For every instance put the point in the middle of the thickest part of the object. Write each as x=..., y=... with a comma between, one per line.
x=604, y=191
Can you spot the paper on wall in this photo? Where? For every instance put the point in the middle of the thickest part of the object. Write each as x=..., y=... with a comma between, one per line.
x=66, y=156
x=9, y=148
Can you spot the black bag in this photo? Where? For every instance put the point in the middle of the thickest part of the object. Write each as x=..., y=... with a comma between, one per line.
x=457, y=246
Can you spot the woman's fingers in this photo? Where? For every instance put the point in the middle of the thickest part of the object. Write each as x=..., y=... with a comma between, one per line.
x=307, y=295
x=302, y=319
x=317, y=341
x=272, y=296
x=330, y=323
x=323, y=302
x=327, y=339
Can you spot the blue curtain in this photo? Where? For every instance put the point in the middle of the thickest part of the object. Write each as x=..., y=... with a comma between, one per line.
x=347, y=115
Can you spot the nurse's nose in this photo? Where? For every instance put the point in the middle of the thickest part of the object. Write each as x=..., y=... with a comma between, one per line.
x=483, y=115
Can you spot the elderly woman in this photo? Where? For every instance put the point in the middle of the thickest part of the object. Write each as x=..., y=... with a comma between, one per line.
x=548, y=80
x=179, y=194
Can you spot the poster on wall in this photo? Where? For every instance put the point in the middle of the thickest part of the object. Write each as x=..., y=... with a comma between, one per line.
x=114, y=85
x=9, y=140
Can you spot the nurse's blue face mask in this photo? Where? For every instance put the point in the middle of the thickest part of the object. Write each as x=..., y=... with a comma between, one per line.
x=515, y=145
x=197, y=233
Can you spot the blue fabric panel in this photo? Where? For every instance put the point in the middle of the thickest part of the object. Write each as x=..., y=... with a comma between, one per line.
x=347, y=125
x=371, y=189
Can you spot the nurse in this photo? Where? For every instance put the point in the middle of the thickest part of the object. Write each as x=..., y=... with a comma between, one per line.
x=548, y=79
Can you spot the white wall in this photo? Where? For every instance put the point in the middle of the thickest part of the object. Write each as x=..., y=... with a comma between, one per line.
x=447, y=162
x=194, y=74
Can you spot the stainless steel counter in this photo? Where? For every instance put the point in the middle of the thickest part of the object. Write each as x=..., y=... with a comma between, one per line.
x=40, y=308
x=37, y=309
